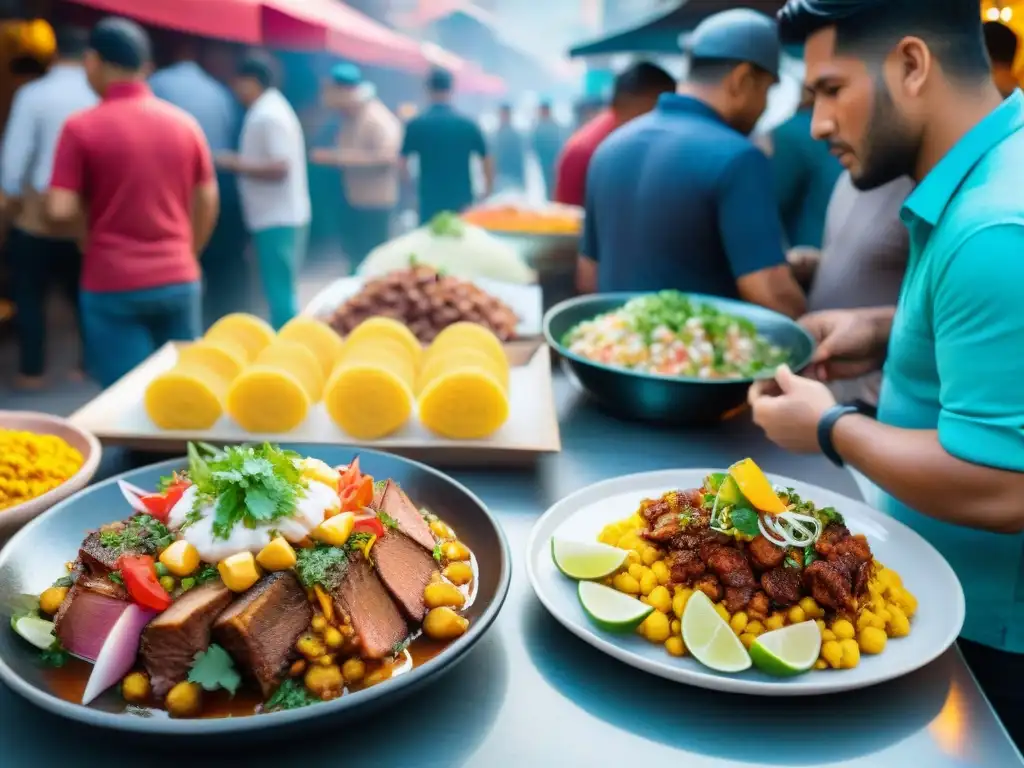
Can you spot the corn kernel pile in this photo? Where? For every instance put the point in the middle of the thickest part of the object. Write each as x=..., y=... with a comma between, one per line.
x=31, y=465
x=884, y=614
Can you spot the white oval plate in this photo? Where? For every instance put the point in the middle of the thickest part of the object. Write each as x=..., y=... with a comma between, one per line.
x=582, y=515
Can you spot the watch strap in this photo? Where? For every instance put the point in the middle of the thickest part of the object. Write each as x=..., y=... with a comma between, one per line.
x=825, y=426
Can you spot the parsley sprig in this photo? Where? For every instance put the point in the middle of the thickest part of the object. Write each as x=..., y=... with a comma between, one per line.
x=213, y=669
x=290, y=695
x=140, y=532
x=321, y=565
x=248, y=485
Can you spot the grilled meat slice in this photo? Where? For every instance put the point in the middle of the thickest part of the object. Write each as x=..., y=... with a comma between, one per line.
x=171, y=641
x=663, y=528
x=861, y=579
x=259, y=628
x=395, y=504
x=361, y=597
x=673, y=502
x=92, y=602
x=736, y=598
x=832, y=535
x=710, y=586
x=782, y=585
x=759, y=607
x=729, y=565
x=857, y=546
x=829, y=585
x=684, y=566
x=764, y=555
x=406, y=569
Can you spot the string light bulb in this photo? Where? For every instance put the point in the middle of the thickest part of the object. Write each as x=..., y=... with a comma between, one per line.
x=1006, y=14
x=992, y=14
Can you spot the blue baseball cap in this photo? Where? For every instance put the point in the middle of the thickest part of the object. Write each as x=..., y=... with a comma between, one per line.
x=346, y=73
x=121, y=43
x=739, y=34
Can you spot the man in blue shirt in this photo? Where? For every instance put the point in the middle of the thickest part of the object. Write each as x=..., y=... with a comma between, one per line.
x=681, y=198
x=445, y=142
x=509, y=153
x=948, y=445
x=548, y=140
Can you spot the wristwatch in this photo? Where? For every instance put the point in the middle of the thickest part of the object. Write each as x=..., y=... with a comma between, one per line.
x=825, y=426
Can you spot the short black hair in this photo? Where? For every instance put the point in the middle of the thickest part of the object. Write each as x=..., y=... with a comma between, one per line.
x=951, y=28
x=439, y=80
x=1001, y=43
x=259, y=66
x=72, y=41
x=121, y=43
x=642, y=79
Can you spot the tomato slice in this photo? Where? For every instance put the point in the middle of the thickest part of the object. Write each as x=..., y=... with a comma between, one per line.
x=369, y=524
x=159, y=505
x=357, y=497
x=138, y=572
x=350, y=476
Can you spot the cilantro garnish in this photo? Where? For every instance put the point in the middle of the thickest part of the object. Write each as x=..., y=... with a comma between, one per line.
x=810, y=555
x=357, y=541
x=321, y=565
x=139, y=532
x=438, y=554
x=213, y=669
x=400, y=646
x=54, y=656
x=290, y=695
x=388, y=520
x=206, y=573
x=745, y=521
x=115, y=576
x=247, y=485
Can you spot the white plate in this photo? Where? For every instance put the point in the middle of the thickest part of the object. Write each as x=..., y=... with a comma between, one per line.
x=925, y=573
x=525, y=300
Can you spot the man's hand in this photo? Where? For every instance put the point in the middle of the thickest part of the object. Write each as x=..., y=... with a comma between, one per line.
x=789, y=408
x=804, y=260
x=851, y=342
x=227, y=161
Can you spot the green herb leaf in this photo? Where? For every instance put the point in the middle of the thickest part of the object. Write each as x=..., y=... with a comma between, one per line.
x=400, y=646
x=140, y=532
x=829, y=515
x=438, y=554
x=745, y=521
x=321, y=565
x=187, y=583
x=213, y=669
x=388, y=520
x=64, y=581
x=791, y=563
x=206, y=573
x=54, y=656
x=115, y=576
x=810, y=555
x=290, y=695
x=357, y=541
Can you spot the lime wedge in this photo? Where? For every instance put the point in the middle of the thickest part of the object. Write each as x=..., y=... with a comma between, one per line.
x=37, y=631
x=710, y=639
x=787, y=651
x=610, y=609
x=586, y=560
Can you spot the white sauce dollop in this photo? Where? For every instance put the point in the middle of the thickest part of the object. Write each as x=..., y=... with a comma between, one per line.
x=310, y=511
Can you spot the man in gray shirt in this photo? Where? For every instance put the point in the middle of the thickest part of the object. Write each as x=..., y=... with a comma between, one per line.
x=861, y=263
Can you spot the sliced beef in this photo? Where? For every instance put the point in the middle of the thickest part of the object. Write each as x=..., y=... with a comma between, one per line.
x=259, y=628
x=832, y=535
x=684, y=566
x=172, y=639
x=830, y=585
x=782, y=585
x=729, y=565
x=366, y=604
x=96, y=558
x=663, y=528
x=764, y=555
x=396, y=504
x=710, y=586
x=406, y=569
x=736, y=598
x=93, y=602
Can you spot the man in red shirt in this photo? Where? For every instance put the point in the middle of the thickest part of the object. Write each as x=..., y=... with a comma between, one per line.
x=140, y=171
x=636, y=92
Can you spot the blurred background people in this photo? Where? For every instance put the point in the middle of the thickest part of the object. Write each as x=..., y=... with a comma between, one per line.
x=1002, y=43
x=805, y=174
x=367, y=153
x=272, y=182
x=635, y=93
x=547, y=139
x=41, y=253
x=681, y=198
x=141, y=170
x=444, y=143
x=509, y=149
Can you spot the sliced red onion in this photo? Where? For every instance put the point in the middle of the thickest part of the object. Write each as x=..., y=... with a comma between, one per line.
x=131, y=495
x=117, y=657
x=88, y=622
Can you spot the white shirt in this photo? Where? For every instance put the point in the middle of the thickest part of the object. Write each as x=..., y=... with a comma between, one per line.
x=38, y=113
x=271, y=132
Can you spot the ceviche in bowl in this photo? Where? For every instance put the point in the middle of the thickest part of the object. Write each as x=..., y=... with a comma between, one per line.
x=256, y=580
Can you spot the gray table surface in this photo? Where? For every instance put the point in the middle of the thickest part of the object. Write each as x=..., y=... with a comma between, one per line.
x=531, y=694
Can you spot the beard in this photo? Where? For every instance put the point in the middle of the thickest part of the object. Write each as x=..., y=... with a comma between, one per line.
x=890, y=147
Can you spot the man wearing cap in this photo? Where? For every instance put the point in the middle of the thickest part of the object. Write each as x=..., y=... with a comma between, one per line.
x=681, y=198
x=905, y=88
x=272, y=182
x=445, y=143
x=141, y=171
x=367, y=154
x=41, y=252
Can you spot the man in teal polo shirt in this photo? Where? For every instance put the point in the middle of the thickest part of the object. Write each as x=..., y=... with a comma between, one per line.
x=904, y=87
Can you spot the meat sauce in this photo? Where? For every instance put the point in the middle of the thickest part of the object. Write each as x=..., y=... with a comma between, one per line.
x=68, y=682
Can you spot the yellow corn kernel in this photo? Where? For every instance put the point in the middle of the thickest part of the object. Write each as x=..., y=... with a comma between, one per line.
x=892, y=578
x=336, y=530
x=311, y=646
x=278, y=555
x=626, y=583
x=866, y=619
x=851, y=654
x=899, y=624
x=661, y=572
x=676, y=626
x=333, y=638
x=455, y=552
x=775, y=621
x=184, y=700
x=445, y=624
x=609, y=536
x=319, y=623
x=657, y=628
x=796, y=615
x=443, y=594
x=50, y=600
x=747, y=640
x=650, y=555
x=459, y=573
x=181, y=558
x=828, y=635
x=674, y=646
x=721, y=610
x=821, y=664
x=679, y=601
x=832, y=652
x=905, y=601
x=754, y=628
x=628, y=541
x=843, y=629
x=884, y=616
x=648, y=582
x=636, y=570
x=135, y=688
x=441, y=529
x=738, y=622
x=660, y=599
x=872, y=640
x=811, y=608
x=239, y=571
x=353, y=670
x=324, y=682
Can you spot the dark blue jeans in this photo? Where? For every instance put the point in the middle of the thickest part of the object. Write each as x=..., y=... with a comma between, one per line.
x=123, y=328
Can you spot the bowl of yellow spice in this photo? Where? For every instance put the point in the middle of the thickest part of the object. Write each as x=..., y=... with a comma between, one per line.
x=43, y=460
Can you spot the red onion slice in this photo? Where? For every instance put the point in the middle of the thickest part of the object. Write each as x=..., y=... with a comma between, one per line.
x=131, y=495
x=117, y=656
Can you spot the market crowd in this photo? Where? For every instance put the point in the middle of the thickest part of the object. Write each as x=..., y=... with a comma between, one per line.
x=125, y=188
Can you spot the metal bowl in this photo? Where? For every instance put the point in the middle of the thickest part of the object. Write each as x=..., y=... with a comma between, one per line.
x=32, y=558
x=666, y=399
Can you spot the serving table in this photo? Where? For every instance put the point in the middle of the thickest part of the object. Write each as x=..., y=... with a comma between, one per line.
x=531, y=694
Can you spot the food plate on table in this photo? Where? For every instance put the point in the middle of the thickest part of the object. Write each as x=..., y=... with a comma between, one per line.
x=247, y=588
x=740, y=582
